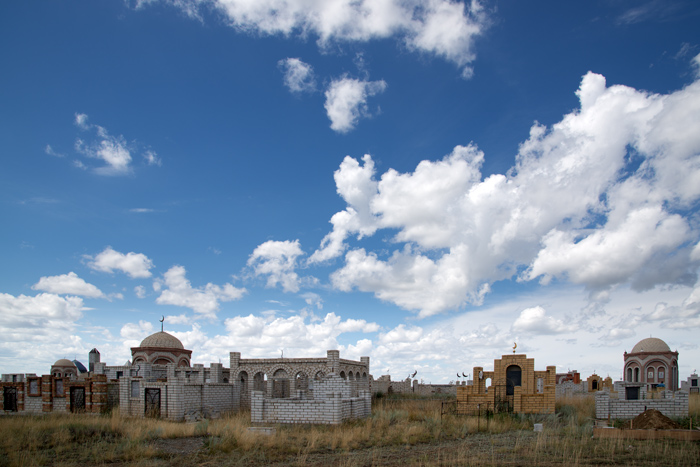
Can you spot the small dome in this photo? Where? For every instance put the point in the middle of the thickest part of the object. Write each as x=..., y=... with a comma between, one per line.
x=64, y=362
x=80, y=366
x=162, y=340
x=651, y=344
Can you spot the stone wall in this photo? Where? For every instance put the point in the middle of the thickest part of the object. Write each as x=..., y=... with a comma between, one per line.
x=671, y=404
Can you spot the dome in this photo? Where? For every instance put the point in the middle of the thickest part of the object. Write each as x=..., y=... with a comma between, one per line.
x=80, y=366
x=64, y=362
x=162, y=340
x=651, y=344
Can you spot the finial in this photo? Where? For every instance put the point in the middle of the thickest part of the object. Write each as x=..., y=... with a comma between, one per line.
x=161, y=323
x=515, y=346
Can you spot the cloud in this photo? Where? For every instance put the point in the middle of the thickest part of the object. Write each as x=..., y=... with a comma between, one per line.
x=313, y=299
x=202, y=300
x=535, y=321
x=278, y=261
x=601, y=198
x=297, y=335
x=136, y=265
x=346, y=101
x=50, y=151
x=136, y=332
x=113, y=151
x=67, y=284
x=47, y=321
x=152, y=158
x=140, y=291
x=298, y=76
x=356, y=185
x=445, y=28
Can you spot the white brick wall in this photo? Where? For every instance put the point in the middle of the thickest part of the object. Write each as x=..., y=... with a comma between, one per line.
x=332, y=404
x=673, y=405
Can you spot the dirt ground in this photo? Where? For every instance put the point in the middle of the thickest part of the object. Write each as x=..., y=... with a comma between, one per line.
x=522, y=448
x=653, y=420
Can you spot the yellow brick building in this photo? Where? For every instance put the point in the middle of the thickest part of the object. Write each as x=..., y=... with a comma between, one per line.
x=512, y=386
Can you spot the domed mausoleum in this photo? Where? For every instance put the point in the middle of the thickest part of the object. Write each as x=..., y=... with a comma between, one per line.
x=64, y=368
x=161, y=348
x=651, y=361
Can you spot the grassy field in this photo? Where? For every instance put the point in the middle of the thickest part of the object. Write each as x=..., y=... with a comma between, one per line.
x=400, y=431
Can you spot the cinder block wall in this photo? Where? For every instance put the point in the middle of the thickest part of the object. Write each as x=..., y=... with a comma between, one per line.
x=672, y=405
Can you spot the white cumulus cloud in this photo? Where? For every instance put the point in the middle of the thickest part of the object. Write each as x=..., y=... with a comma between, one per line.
x=535, y=321
x=278, y=261
x=69, y=284
x=601, y=198
x=346, y=101
x=444, y=28
x=176, y=290
x=298, y=76
x=135, y=265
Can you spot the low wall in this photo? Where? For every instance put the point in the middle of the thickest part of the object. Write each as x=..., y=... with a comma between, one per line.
x=332, y=410
x=672, y=404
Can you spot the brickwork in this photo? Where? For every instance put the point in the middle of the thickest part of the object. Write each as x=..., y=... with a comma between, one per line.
x=385, y=385
x=290, y=373
x=49, y=394
x=671, y=404
x=534, y=394
x=331, y=404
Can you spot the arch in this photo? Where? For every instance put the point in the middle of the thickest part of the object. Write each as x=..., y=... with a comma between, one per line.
x=351, y=376
x=342, y=375
x=364, y=376
x=629, y=374
x=301, y=381
x=636, y=375
x=650, y=374
x=357, y=376
x=594, y=385
x=487, y=384
x=162, y=361
x=319, y=375
x=183, y=363
x=280, y=373
x=243, y=378
x=225, y=380
x=259, y=381
x=513, y=378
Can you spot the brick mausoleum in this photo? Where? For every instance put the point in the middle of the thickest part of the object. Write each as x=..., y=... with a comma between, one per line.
x=512, y=386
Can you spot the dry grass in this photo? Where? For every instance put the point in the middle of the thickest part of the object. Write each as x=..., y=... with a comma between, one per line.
x=399, y=432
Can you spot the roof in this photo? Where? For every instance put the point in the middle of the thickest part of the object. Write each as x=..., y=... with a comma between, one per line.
x=64, y=362
x=162, y=340
x=651, y=344
x=81, y=367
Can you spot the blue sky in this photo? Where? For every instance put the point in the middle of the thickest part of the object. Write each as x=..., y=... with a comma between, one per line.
x=421, y=182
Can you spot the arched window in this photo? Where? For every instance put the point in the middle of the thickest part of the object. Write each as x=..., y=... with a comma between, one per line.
x=513, y=379
x=636, y=375
x=629, y=374
x=301, y=382
x=594, y=385
x=342, y=374
x=259, y=381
